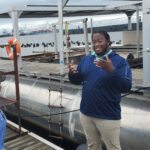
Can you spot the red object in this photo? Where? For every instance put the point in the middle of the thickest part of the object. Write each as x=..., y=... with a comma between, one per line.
x=13, y=41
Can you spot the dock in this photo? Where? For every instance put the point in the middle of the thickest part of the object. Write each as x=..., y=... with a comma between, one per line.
x=134, y=106
x=36, y=69
x=26, y=140
x=18, y=138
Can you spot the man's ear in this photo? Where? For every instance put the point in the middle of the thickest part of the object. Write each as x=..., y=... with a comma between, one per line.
x=109, y=43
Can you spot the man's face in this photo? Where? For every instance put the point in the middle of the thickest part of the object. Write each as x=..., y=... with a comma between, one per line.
x=100, y=44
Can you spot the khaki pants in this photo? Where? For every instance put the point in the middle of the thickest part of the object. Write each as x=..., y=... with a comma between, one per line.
x=97, y=130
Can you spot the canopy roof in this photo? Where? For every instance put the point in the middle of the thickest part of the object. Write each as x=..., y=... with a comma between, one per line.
x=71, y=8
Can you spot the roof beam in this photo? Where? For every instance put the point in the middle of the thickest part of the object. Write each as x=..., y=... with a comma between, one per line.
x=112, y=7
x=64, y=3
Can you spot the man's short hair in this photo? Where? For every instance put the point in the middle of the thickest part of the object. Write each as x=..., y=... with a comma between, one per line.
x=106, y=35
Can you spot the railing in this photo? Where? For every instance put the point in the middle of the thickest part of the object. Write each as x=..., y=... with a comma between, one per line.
x=5, y=101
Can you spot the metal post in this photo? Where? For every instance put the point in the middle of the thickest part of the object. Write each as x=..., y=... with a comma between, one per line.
x=17, y=86
x=67, y=47
x=129, y=15
x=14, y=15
x=129, y=23
x=91, y=34
x=146, y=42
x=67, y=42
x=60, y=41
x=55, y=41
x=137, y=30
x=86, y=36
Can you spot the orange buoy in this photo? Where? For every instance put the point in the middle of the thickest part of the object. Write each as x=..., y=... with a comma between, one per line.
x=10, y=42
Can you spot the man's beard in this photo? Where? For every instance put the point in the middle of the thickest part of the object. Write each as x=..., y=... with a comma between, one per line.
x=100, y=54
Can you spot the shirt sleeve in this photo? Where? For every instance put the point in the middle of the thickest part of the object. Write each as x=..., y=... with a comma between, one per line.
x=76, y=78
x=121, y=77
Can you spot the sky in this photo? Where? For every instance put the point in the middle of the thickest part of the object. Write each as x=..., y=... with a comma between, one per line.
x=7, y=3
x=49, y=2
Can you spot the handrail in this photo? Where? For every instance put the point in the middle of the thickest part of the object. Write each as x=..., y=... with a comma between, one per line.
x=6, y=101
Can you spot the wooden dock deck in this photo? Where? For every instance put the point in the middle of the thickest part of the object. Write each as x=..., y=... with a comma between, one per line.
x=26, y=140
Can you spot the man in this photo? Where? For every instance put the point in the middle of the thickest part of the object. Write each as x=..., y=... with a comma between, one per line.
x=105, y=75
x=2, y=129
x=2, y=118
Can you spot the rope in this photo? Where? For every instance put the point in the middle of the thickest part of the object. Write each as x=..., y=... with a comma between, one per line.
x=61, y=106
x=49, y=105
x=66, y=27
x=65, y=112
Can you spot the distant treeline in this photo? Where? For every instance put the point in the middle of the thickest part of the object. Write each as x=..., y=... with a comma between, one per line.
x=111, y=28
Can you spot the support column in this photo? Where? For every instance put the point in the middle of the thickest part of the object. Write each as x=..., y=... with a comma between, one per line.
x=14, y=15
x=55, y=41
x=60, y=41
x=86, y=37
x=137, y=31
x=146, y=42
x=129, y=15
x=91, y=34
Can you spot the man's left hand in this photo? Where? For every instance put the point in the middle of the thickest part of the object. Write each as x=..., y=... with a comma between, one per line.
x=105, y=64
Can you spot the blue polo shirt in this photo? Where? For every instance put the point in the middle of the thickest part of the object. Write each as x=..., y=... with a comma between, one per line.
x=101, y=92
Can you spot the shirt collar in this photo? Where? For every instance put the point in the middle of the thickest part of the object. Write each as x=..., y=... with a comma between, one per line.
x=104, y=56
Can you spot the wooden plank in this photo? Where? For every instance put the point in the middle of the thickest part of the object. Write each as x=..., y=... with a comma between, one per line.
x=25, y=141
x=19, y=140
x=45, y=147
x=25, y=144
x=33, y=147
x=10, y=134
